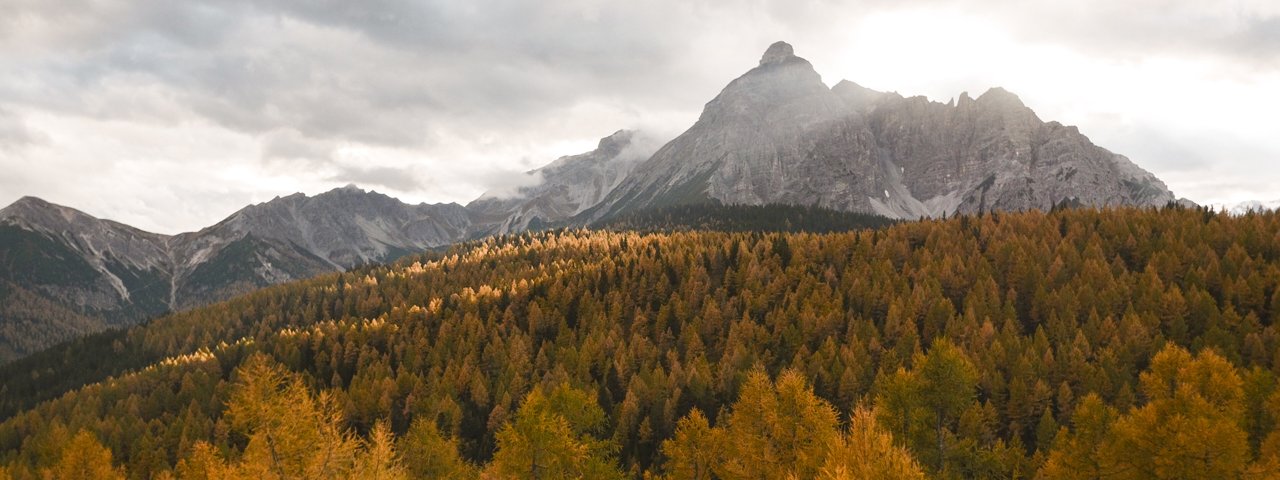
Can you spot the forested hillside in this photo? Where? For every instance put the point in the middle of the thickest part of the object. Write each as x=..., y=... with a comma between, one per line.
x=1073, y=344
x=744, y=218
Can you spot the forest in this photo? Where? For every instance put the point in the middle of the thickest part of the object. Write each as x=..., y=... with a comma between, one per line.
x=743, y=218
x=1073, y=344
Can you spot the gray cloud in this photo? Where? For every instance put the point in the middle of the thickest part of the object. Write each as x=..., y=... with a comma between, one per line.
x=1243, y=30
x=14, y=132
x=398, y=179
x=387, y=73
x=469, y=94
x=508, y=183
x=289, y=144
x=1261, y=39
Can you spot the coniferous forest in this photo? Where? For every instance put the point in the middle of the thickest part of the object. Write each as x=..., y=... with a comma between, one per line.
x=1074, y=344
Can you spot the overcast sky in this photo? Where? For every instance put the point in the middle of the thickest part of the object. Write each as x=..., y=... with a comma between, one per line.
x=169, y=115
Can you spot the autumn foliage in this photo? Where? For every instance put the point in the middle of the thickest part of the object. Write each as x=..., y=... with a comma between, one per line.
x=1072, y=344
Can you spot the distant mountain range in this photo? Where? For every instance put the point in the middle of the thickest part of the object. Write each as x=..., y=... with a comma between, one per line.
x=1245, y=207
x=775, y=135
x=64, y=273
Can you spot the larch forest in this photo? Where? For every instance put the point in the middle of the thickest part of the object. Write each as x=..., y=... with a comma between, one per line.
x=1072, y=344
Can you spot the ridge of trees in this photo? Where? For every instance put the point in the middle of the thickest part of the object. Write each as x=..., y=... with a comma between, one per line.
x=744, y=218
x=1070, y=344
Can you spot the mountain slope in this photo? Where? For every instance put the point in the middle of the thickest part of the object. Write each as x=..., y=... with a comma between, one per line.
x=743, y=218
x=777, y=134
x=298, y=237
x=347, y=226
x=737, y=150
x=64, y=273
x=994, y=153
x=562, y=189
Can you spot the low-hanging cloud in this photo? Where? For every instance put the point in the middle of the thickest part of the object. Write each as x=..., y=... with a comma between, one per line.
x=504, y=184
x=393, y=178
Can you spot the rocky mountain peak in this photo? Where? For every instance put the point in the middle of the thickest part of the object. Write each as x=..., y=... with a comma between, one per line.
x=28, y=204
x=778, y=134
x=563, y=188
x=777, y=53
x=42, y=215
x=613, y=144
x=781, y=80
x=28, y=199
x=999, y=97
x=22, y=207
x=856, y=96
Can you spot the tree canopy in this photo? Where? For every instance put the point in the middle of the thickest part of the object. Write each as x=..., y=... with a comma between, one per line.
x=1070, y=344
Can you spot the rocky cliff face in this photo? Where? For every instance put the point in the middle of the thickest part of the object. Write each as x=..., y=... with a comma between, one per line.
x=104, y=263
x=994, y=153
x=298, y=237
x=345, y=226
x=64, y=273
x=563, y=188
x=742, y=148
x=777, y=134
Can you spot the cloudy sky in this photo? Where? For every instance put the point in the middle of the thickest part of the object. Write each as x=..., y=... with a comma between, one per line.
x=171, y=115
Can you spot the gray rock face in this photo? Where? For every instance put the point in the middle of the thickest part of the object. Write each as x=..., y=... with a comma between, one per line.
x=743, y=147
x=109, y=248
x=994, y=153
x=64, y=274
x=88, y=274
x=297, y=236
x=563, y=189
x=345, y=226
x=777, y=134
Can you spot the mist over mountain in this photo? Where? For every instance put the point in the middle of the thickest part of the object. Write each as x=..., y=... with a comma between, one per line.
x=564, y=188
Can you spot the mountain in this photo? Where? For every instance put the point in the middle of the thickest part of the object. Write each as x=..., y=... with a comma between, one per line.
x=1246, y=207
x=777, y=134
x=348, y=226
x=297, y=236
x=64, y=273
x=562, y=189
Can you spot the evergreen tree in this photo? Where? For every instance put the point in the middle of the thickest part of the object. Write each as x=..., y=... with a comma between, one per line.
x=84, y=458
x=553, y=436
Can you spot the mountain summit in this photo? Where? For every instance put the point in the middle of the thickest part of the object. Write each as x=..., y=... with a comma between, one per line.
x=777, y=134
x=777, y=53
